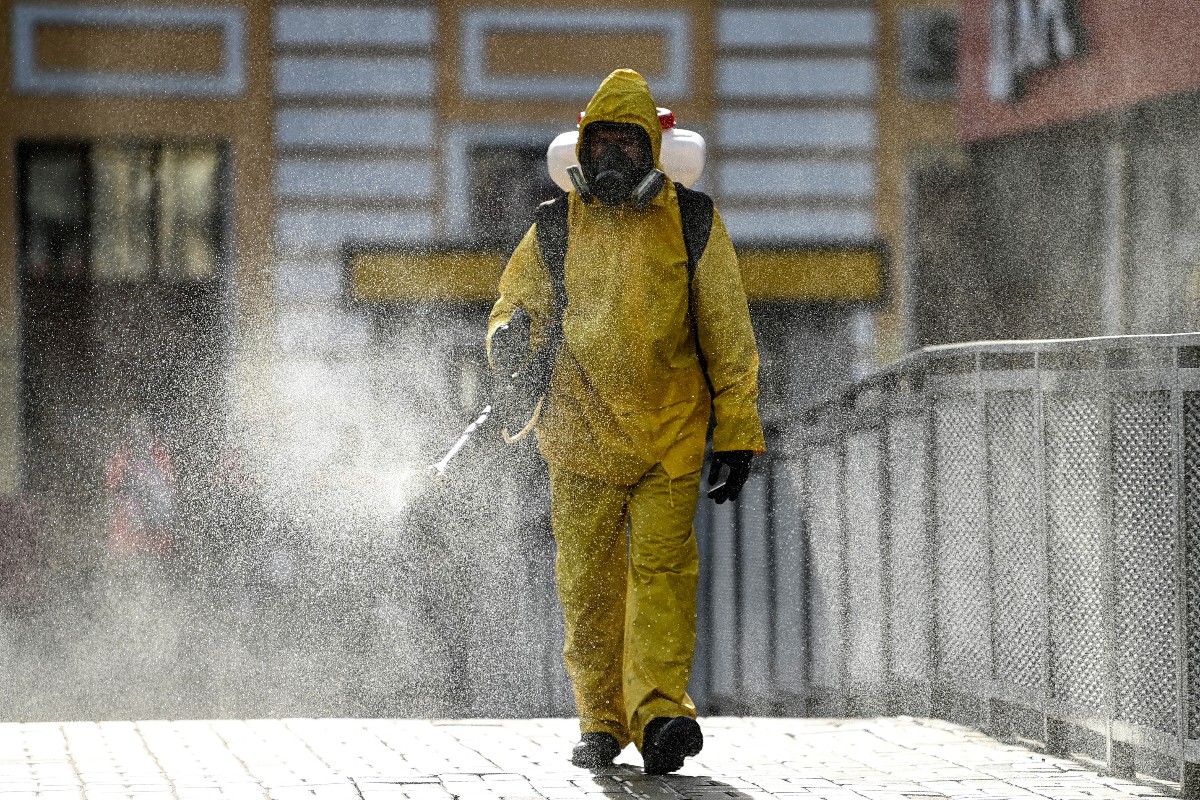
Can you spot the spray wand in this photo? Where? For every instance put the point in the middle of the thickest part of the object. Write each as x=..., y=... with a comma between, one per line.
x=439, y=469
x=520, y=393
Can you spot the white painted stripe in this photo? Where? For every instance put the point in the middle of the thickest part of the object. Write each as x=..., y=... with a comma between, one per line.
x=345, y=178
x=315, y=278
x=354, y=77
x=350, y=128
x=816, y=128
x=796, y=178
x=759, y=225
x=745, y=27
x=355, y=26
x=775, y=78
x=322, y=330
x=316, y=230
x=340, y=381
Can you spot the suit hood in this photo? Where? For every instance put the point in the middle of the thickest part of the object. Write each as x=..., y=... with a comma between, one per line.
x=624, y=96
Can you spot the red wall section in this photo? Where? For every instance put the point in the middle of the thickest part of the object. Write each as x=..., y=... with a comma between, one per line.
x=1137, y=50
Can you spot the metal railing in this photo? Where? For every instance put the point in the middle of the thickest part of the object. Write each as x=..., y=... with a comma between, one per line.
x=1002, y=534
x=751, y=606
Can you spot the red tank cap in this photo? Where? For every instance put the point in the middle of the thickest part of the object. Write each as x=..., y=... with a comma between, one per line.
x=666, y=118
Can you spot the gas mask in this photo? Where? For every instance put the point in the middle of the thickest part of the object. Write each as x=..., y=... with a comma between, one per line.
x=613, y=178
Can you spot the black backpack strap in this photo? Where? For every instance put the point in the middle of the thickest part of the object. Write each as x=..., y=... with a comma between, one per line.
x=551, y=222
x=551, y=219
x=696, y=211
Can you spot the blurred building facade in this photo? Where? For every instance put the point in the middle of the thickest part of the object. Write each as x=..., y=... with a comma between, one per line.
x=135, y=212
x=1080, y=187
x=271, y=214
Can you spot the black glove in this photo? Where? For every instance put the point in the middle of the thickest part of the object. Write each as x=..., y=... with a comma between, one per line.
x=510, y=343
x=738, y=462
x=522, y=377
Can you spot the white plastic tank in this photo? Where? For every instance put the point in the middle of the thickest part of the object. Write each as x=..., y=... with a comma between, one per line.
x=682, y=153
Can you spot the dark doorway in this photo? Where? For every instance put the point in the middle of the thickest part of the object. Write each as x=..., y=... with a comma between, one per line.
x=123, y=261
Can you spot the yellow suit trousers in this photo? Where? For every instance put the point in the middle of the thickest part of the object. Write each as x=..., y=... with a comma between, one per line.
x=627, y=571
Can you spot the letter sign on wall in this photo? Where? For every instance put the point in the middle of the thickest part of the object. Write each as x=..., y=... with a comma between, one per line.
x=1028, y=36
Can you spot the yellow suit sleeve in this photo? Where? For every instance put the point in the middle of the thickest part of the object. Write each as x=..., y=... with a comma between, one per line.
x=727, y=340
x=525, y=283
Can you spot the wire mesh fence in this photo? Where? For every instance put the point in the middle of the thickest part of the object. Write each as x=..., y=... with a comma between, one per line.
x=1002, y=534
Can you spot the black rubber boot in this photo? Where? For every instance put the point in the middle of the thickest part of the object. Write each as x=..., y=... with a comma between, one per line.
x=595, y=750
x=667, y=741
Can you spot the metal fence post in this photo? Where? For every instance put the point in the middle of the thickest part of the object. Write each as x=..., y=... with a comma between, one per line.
x=983, y=692
x=1178, y=481
x=1118, y=757
x=1188, y=565
x=790, y=582
x=700, y=685
x=843, y=588
x=1053, y=733
x=932, y=548
x=755, y=591
x=806, y=575
x=885, y=542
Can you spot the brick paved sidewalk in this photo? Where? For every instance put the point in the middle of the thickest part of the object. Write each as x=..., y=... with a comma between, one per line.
x=797, y=759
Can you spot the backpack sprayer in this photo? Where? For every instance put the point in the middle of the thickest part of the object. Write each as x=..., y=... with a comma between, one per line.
x=518, y=397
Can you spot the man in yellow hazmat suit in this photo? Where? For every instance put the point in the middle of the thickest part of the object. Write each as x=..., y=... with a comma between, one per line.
x=649, y=339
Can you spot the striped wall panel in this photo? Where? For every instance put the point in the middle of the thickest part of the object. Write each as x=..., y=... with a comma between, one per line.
x=807, y=178
x=797, y=78
x=355, y=138
x=355, y=132
x=314, y=277
x=310, y=76
x=794, y=148
x=776, y=129
x=328, y=230
x=353, y=178
x=762, y=27
x=338, y=128
x=321, y=329
x=351, y=26
x=790, y=226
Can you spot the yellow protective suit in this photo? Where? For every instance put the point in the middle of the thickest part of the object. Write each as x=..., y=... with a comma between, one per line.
x=624, y=424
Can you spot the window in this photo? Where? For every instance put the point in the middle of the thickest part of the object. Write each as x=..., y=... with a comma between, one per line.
x=508, y=183
x=55, y=214
x=121, y=212
x=929, y=54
